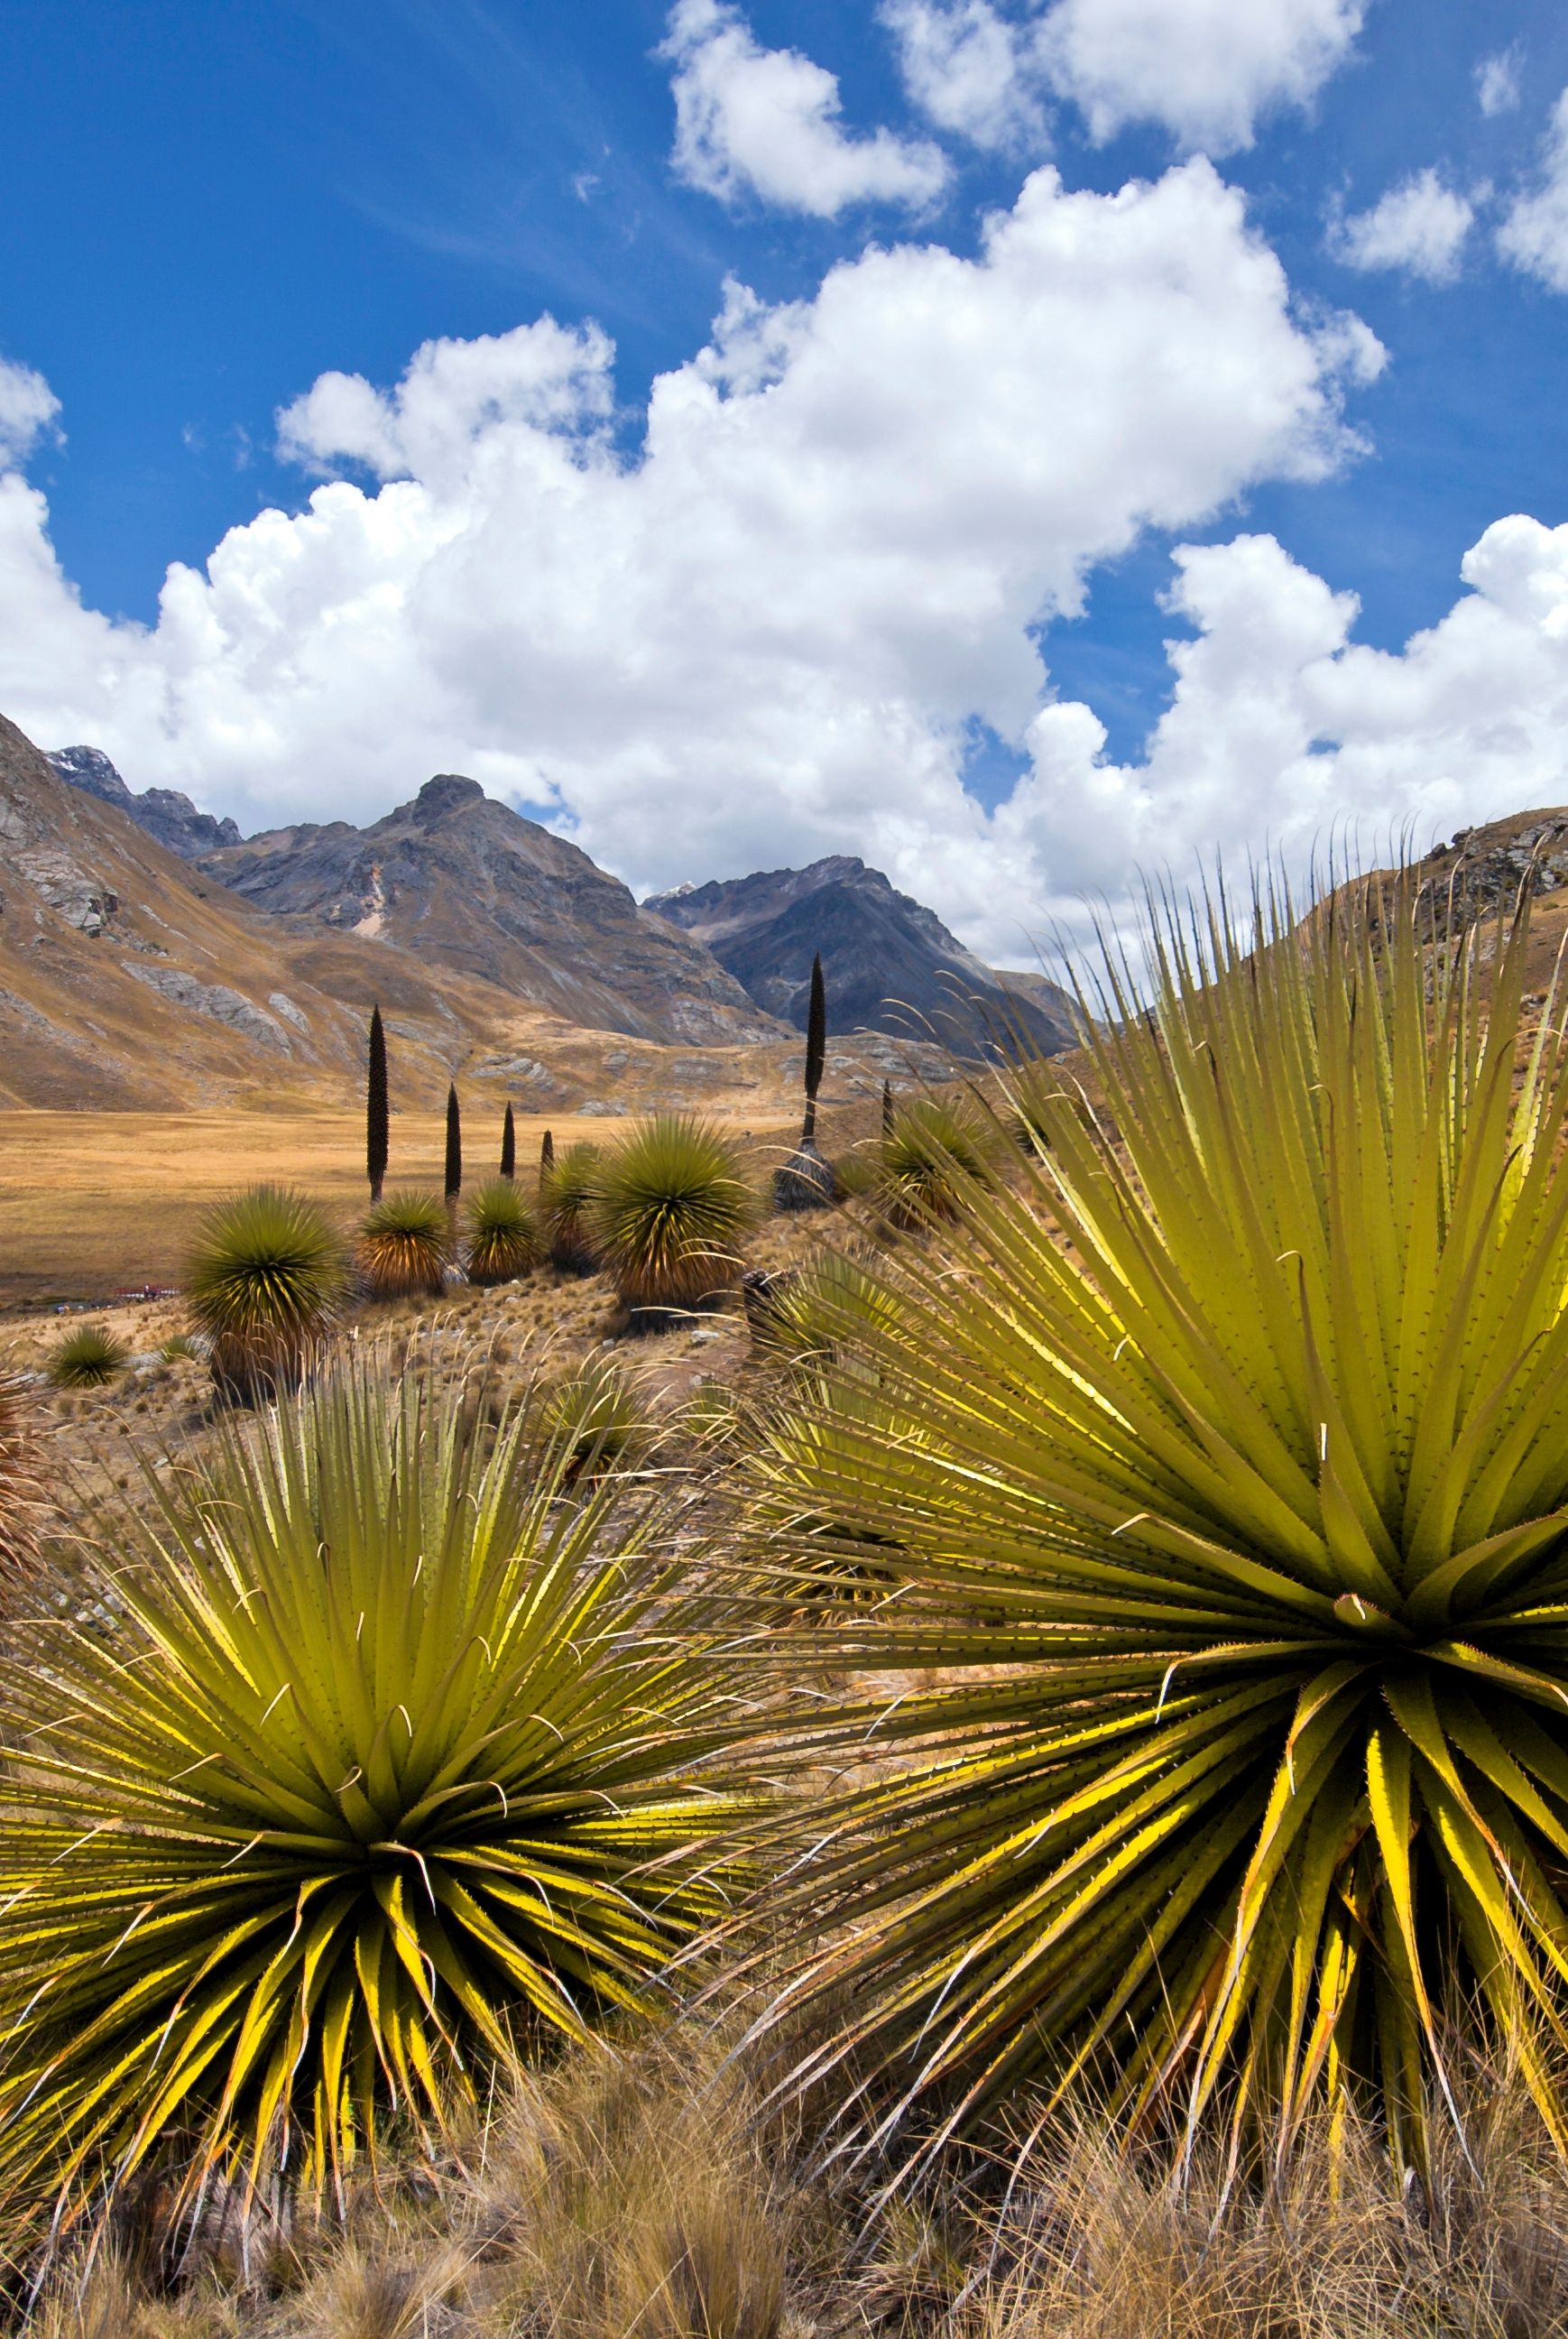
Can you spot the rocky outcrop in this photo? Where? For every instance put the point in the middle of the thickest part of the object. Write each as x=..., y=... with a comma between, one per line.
x=1481, y=870
x=469, y=884
x=169, y=817
x=890, y=964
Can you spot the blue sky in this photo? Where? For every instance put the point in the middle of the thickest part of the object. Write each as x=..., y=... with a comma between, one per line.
x=229, y=206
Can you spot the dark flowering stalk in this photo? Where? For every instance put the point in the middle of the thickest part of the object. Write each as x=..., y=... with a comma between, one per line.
x=815, y=1048
x=508, y=1146
x=376, y=1108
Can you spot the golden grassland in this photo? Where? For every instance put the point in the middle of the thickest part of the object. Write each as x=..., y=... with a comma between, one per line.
x=93, y=1202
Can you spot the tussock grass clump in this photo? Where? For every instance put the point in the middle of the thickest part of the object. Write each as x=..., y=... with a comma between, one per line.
x=568, y=1183
x=634, y=2191
x=24, y=1506
x=669, y=1207
x=934, y=1157
x=89, y=1358
x=362, y=1792
x=265, y=1283
x=405, y=1242
x=502, y=1231
x=1230, y=1463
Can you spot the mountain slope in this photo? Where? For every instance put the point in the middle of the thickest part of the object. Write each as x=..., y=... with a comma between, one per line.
x=472, y=886
x=128, y=981
x=131, y=982
x=171, y=819
x=890, y=964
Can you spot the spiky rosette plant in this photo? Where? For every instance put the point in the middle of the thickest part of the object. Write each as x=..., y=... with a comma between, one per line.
x=265, y=1282
x=89, y=1358
x=404, y=1245
x=597, y=1419
x=503, y=1233
x=393, y=1765
x=1230, y=1460
x=827, y=1305
x=668, y=1210
x=932, y=1157
x=568, y=1182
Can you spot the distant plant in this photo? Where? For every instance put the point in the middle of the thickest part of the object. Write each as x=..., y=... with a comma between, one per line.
x=265, y=1282
x=23, y=1474
x=597, y=1419
x=509, y=1145
x=568, y=1183
x=937, y=1154
x=393, y=1765
x=178, y=1347
x=404, y=1245
x=88, y=1357
x=503, y=1235
x=547, y=1153
x=376, y=1110
x=668, y=1210
x=806, y=1180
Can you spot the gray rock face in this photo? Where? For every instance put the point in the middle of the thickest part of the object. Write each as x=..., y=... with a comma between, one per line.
x=216, y=1000
x=169, y=817
x=472, y=885
x=889, y=964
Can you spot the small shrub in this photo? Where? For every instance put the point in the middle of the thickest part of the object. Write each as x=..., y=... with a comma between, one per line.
x=395, y=1762
x=568, y=1182
x=669, y=1207
x=89, y=1358
x=503, y=1233
x=935, y=1156
x=404, y=1245
x=178, y=1346
x=265, y=1283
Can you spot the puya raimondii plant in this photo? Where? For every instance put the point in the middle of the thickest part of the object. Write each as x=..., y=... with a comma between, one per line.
x=404, y=1245
x=503, y=1234
x=806, y=1180
x=392, y=1759
x=1226, y=1465
x=265, y=1281
x=669, y=1207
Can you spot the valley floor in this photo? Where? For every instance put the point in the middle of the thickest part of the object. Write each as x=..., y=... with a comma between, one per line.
x=92, y=1202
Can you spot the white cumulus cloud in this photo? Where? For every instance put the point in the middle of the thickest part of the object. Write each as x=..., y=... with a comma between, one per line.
x=767, y=632
x=28, y=411
x=1205, y=69
x=766, y=123
x=1284, y=730
x=970, y=69
x=1419, y=227
x=1534, y=233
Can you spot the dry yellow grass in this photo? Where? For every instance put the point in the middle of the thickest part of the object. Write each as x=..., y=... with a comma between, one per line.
x=91, y=1201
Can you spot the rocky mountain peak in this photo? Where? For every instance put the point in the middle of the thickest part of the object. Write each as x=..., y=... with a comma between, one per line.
x=890, y=963
x=169, y=817
x=448, y=792
x=468, y=883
